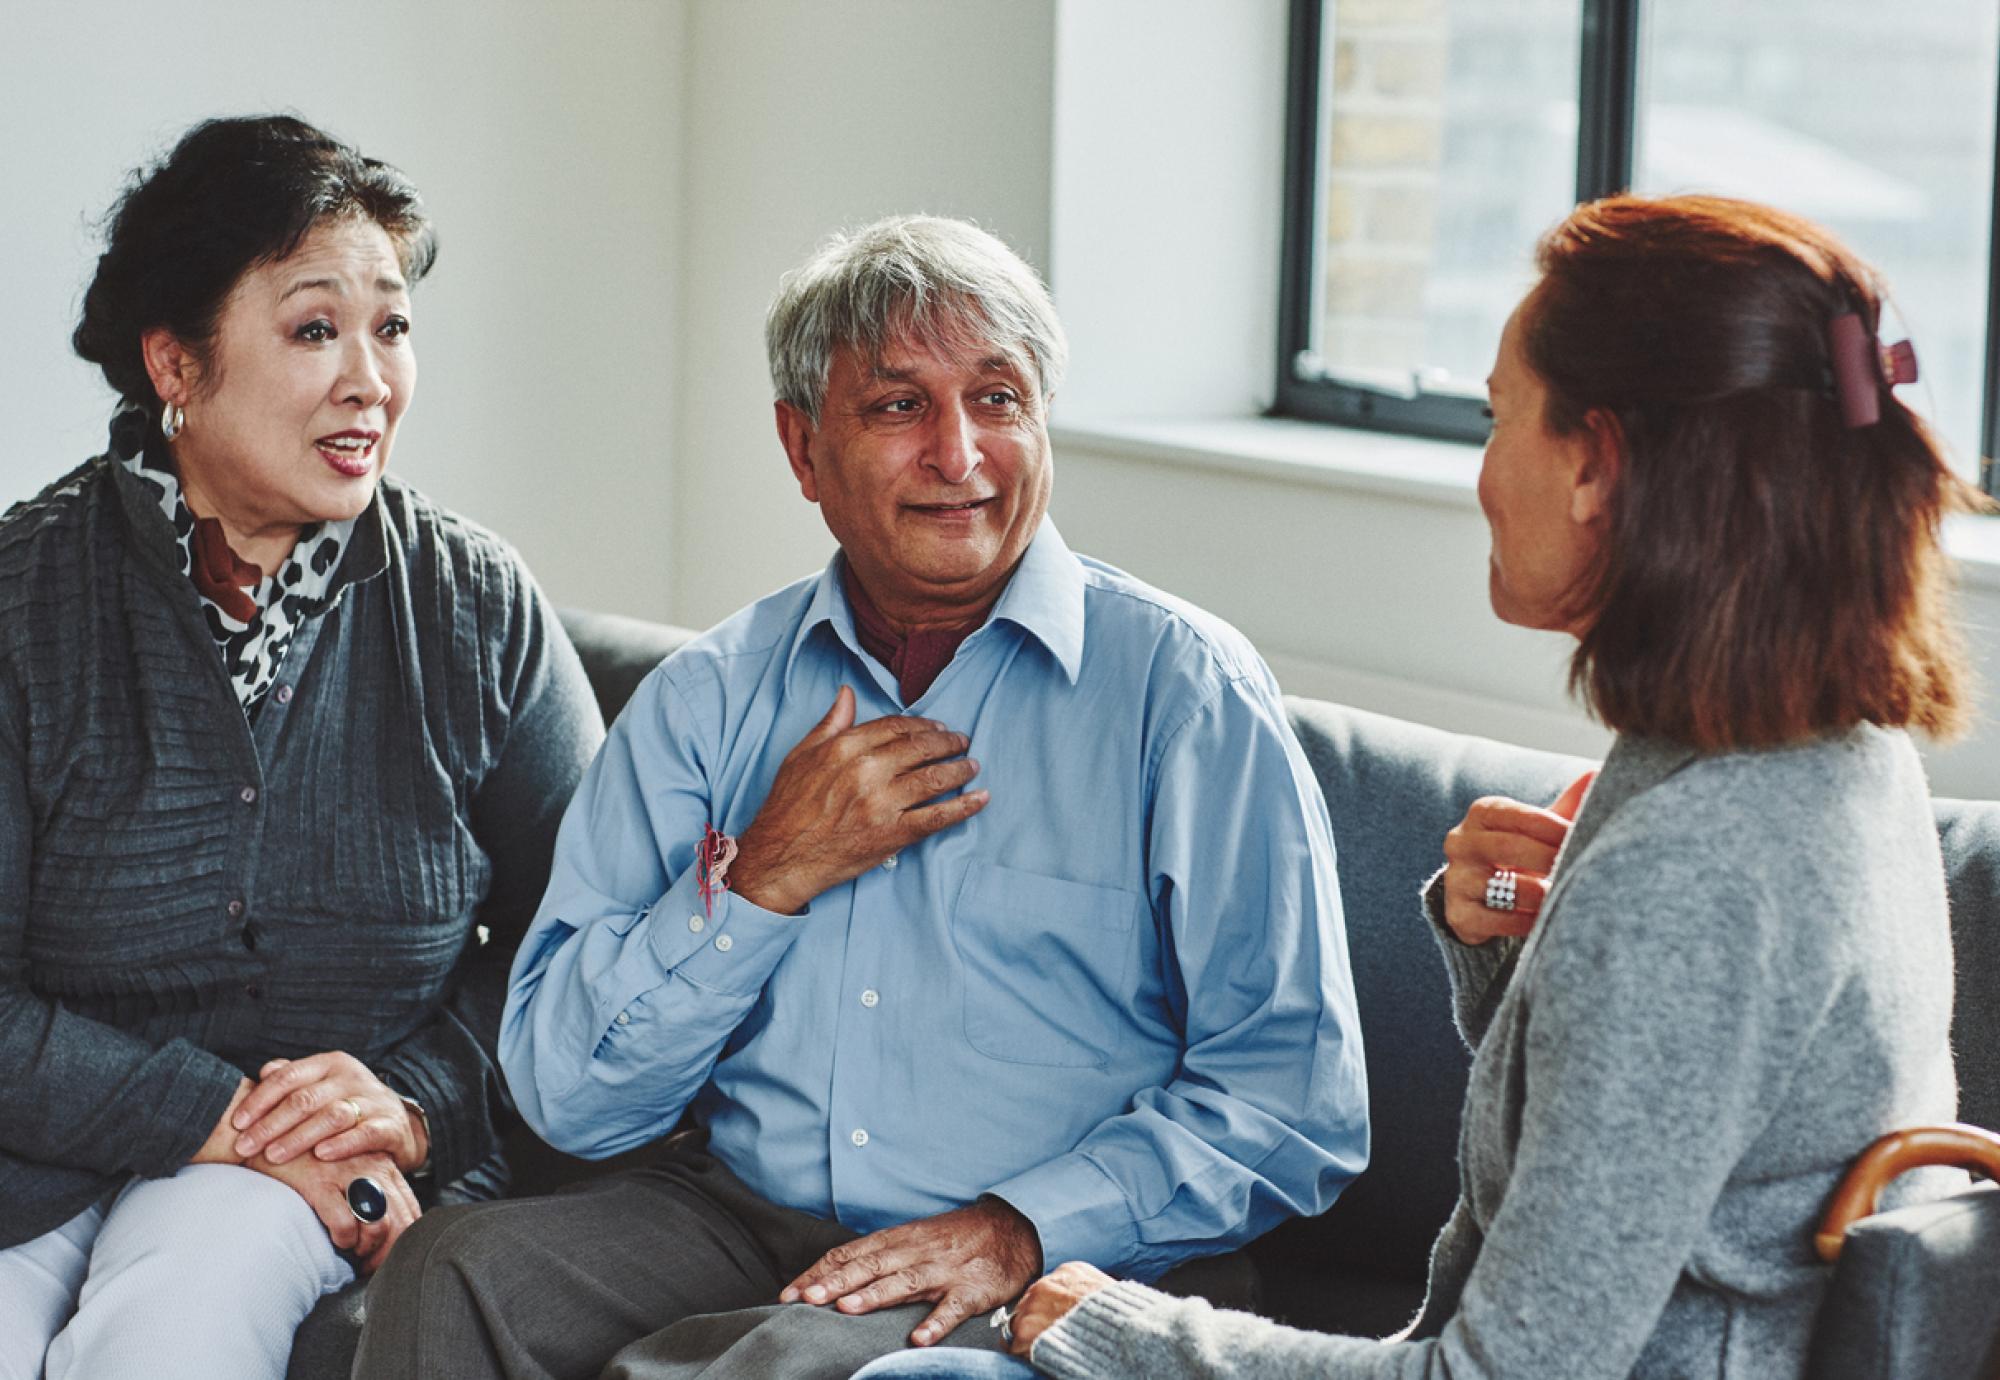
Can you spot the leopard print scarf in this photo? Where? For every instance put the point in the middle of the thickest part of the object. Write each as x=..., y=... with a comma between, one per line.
x=253, y=649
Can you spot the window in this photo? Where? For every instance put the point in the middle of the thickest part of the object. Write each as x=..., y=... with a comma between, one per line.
x=1432, y=141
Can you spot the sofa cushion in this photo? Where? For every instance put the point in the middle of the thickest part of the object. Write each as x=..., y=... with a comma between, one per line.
x=1393, y=790
x=1969, y=831
x=618, y=652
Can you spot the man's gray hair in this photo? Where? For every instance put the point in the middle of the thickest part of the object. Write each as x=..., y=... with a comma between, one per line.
x=941, y=281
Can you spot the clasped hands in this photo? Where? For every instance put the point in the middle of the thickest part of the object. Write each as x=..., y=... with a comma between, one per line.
x=317, y=1123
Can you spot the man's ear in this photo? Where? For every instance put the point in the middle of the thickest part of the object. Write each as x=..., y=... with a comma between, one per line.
x=169, y=364
x=795, y=434
x=1603, y=460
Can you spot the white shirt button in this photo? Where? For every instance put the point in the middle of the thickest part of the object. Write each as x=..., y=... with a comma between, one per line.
x=860, y=1138
x=890, y=862
x=624, y=1018
x=697, y=924
x=724, y=943
x=870, y=997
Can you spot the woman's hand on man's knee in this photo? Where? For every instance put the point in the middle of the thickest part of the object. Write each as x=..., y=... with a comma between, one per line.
x=333, y=1105
x=323, y=1184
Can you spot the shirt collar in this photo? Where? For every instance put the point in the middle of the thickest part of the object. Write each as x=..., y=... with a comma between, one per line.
x=1044, y=598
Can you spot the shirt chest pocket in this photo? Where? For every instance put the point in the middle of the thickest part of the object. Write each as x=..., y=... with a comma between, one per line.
x=1048, y=965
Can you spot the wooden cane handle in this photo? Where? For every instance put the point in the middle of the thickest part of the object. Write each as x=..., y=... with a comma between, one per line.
x=1971, y=1148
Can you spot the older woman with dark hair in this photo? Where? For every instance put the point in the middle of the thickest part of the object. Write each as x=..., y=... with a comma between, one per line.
x=281, y=743
x=1698, y=987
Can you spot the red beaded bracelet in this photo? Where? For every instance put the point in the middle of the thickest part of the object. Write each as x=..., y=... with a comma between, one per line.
x=711, y=865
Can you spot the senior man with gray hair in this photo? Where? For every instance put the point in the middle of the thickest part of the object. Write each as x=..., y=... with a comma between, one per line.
x=970, y=905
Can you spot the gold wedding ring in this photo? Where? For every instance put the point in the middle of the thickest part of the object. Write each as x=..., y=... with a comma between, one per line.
x=353, y=1111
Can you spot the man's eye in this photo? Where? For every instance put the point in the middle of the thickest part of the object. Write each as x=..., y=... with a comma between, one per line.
x=1001, y=397
x=903, y=406
x=317, y=331
x=395, y=326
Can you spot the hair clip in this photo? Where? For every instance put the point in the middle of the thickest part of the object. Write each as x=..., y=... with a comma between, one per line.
x=1862, y=366
x=1899, y=363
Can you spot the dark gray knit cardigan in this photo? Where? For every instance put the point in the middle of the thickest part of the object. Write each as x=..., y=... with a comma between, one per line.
x=185, y=894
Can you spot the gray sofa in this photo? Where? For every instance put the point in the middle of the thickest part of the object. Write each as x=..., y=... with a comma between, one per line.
x=1393, y=789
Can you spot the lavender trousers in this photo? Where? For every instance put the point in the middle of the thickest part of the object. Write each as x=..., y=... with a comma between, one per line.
x=204, y=1274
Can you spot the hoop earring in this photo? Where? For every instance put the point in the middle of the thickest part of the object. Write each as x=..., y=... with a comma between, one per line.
x=173, y=419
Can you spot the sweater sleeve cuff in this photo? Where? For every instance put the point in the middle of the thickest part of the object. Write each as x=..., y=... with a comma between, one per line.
x=461, y=1133
x=1094, y=1338
x=1078, y=1211
x=1472, y=966
x=195, y=1097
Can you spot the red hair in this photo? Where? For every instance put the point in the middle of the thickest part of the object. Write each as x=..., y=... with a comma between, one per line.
x=1767, y=574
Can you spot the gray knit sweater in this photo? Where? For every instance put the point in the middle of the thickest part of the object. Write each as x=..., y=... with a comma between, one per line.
x=1743, y=976
x=185, y=894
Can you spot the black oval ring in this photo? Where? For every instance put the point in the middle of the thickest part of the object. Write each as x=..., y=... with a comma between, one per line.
x=366, y=1200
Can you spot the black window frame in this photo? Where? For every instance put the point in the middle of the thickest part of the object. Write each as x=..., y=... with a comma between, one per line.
x=1607, y=126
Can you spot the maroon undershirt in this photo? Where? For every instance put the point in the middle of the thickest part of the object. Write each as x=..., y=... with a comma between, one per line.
x=914, y=659
x=219, y=572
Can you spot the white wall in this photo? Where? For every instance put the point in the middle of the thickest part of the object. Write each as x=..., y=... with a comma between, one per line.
x=547, y=141
x=1369, y=593
x=804, y=117
x=1169, y=151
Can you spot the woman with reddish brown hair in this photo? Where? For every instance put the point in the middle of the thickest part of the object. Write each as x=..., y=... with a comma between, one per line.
x=1699, y=986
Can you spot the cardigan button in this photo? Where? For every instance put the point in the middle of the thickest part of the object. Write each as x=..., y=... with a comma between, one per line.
x=255, y=991
x=284, y=694
x=235, y=909
x=248, y=795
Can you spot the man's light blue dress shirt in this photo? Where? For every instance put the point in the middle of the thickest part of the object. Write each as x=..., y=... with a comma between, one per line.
x=1118, y=997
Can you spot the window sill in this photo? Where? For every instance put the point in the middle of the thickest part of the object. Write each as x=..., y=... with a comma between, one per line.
x=1413, y=468
x=1311, y=453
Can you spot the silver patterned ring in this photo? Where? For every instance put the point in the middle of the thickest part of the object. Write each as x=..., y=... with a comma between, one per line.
x=1003, y=1320
x=1500, y=889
